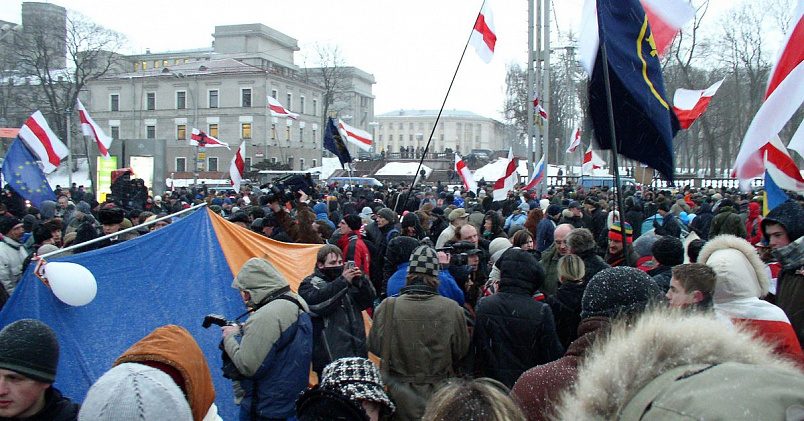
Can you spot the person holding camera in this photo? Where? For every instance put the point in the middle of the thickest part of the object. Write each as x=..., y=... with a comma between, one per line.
x=336, y=295
x=272, y=351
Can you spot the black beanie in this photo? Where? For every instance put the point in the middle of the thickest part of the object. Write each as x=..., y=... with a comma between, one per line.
x=353, y=221
x=618, y=291
x=668, y=251
x=240, y=217
x=41, y=233
x=111, y=216
x=30, y=347
x=7, y=223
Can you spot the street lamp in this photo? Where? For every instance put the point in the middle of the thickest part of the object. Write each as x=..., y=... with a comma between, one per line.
x=374, y=125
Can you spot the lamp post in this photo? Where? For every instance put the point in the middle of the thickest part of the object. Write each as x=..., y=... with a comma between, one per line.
x=374, y=126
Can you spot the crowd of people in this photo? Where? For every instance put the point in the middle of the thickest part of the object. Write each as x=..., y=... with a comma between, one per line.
x=687, y=301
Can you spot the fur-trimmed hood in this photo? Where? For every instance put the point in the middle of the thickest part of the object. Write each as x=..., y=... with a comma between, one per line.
x=740, y=272
x=620, y=366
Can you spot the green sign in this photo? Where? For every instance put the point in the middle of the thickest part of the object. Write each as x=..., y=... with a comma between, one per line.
x=105, y=168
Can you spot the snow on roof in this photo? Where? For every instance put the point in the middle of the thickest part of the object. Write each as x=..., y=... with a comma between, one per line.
x=61, y=176
x=402, y=168
x=327, y=167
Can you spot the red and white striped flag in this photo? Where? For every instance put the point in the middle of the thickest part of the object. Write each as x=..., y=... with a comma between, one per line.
x=199, y=138
x=507, y=182
x=484, y=37
x=43, y=142
x=465, y=174
x=783, y=97
x=358, y=137
x=591, y=161
x=690, y=104
x=277, y=110
x=238, y=166
x=538, y=106
x=575, y=140
x=90, y=128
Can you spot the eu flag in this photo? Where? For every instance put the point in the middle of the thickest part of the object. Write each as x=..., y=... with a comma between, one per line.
x=334, y=143
x=644, y=123
x=24, y=176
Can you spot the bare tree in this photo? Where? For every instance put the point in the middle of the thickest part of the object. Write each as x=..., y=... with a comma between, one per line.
x=333, y=76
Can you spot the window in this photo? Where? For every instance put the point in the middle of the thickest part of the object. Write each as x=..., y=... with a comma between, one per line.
x=390, y=138
x=301, y=105
x=245, y=130
x=315, y=163
x=115, y=132
x=181, y=164
x=301, y=163
x=410, y=126
x=114, y=102
x=289, y=104
x=213, y=130
x=314, y=140
x=273, y=131
x=181, y=132
x=400, y=126
x=247, y=163
x=213, y=98
x=150, y=101
x=156, y=63
x=150, y=132
x=245, y=97
x=301, y=134
x=212, y=163
x=315, y=107
x=273, y=160
x=380, y=138
x=144, y=65
x=274, y=93
x=181, y=100
x=287, y=134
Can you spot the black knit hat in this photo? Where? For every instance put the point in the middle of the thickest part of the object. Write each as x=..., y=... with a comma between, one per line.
x=410, y=220
x=353, y=221
x=111, y=216
x=239, y=217
x=387, y=214
x=7, y=223
x=668, y=251
x=30, y=347
x=618, y=291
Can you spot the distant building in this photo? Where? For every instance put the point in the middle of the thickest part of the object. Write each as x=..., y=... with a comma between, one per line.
x=457, y=130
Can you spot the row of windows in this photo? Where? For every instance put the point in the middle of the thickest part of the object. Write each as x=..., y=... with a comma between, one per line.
x=213, y=101
x=212, y=130
x=212, y=163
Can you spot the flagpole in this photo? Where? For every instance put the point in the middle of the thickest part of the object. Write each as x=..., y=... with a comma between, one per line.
x=613, y=133
x=438, y=117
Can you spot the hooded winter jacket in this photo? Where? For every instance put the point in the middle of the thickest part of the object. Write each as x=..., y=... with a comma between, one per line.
x=752, y=224
x=727, y=221
x=12, y=254
x=276, y=347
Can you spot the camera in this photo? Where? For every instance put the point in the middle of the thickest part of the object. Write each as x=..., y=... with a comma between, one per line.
x=228, y=367
x=283, y=189
x=217, y=320
x=459, y=252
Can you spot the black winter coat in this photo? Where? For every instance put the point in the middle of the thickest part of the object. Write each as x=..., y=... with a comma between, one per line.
x=57, y=408
x=661, y=275
x=566, y=307
x=593, y=263
x=703, y=221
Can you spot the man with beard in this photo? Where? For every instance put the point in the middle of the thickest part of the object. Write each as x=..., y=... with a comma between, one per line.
x=614, y=252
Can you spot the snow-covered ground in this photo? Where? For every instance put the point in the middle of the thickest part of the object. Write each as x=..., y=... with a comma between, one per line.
x=402, y=168
x=327, y=167
x=61, y=177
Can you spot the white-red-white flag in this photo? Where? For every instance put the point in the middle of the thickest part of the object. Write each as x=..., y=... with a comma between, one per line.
x=199, y=138
x=90, y=128
x=277, y=110
x=42, y=142
x=465, y=174
x=783, y=97
x=484, y=37
x=575, y=140
x=665, y=18
x=591, y=161
x=238, y=166
x=358, y=137
x=507, y=182
x=690, y=104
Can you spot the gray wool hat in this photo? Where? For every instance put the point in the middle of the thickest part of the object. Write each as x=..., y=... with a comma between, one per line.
x=30, y=347
x=130, y=392
x=424, y=260
x=388, y=214
x=619, y=291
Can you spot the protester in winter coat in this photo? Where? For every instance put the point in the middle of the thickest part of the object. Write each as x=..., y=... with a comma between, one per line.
x=703, y=221
x=633, y=215
x=668, y=252
x=336, y=297
x=352, y=244
x=752, y=223
x=546, y=228
x=783, y=227
x=582, y=243
x=550, y=258
x=517, y=219
x=616, y=293
x=670, y=365
x=321, y=215
x=483, y=398
x=493, y=226
x=566, y=303
x=741, y=282
x=12, y=254
x=727, y=221
x=615, y=250
x=415, y=357
x=273, y=349
x=512, y=331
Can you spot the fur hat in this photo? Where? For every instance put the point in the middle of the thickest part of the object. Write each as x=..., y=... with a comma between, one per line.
x=111, y=216
x=409, y=220
x=618, y=291
x=133, y=392
x=357, y=378
x=353, y=222
x=424, y=260
x=7, y=223
x=668, y=251
x=30, y=347
x=739, y=271
x=388, y=215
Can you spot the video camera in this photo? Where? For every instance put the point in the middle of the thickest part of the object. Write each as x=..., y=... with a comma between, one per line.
x=228, y=367
x=217, y=320
x=284, y=188
x=459, y=252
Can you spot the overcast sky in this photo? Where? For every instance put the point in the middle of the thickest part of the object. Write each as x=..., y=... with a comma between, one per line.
x=411, y=47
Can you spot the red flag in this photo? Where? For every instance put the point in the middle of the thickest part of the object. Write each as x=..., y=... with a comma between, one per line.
x=238, y=166
x=42, y=142
x=484, y=38
x=690, y=104
x=199, y=138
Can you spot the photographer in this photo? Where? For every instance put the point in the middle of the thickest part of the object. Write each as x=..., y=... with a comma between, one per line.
x=404, y=247
x=336, y=296
x=273, y=349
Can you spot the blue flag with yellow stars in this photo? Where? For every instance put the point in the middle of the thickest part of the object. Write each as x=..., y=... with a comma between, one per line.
x=644, y=122
x=23, y=175
x=334, y=143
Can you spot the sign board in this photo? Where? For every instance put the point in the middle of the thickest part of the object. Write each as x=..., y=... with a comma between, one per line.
x=143, y=167
x=104, y=174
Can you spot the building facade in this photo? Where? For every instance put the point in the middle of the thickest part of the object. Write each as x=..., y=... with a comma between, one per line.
x=457, y=130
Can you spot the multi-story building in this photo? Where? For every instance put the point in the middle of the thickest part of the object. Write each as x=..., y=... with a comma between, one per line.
x=222, y=91
x=457, y=130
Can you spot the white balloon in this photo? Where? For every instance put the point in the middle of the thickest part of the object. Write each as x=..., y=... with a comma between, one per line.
x=71, y=283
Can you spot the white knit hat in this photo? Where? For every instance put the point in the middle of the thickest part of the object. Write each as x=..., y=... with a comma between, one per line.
x=131, y=392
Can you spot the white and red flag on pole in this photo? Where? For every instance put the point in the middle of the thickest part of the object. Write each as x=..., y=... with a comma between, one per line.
x=90, y=128
x=538, y=106
x=199, y=138
x=277, y=110
x=539, y=171
x=484, y=37
x=665, y=17
x=591, y=161
x=42, y=142
x=358, y=137
x=690, y=104
x=507, y=182
x=575, y=140
x=783, y=97
x=465, y=174
x=238, y=166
